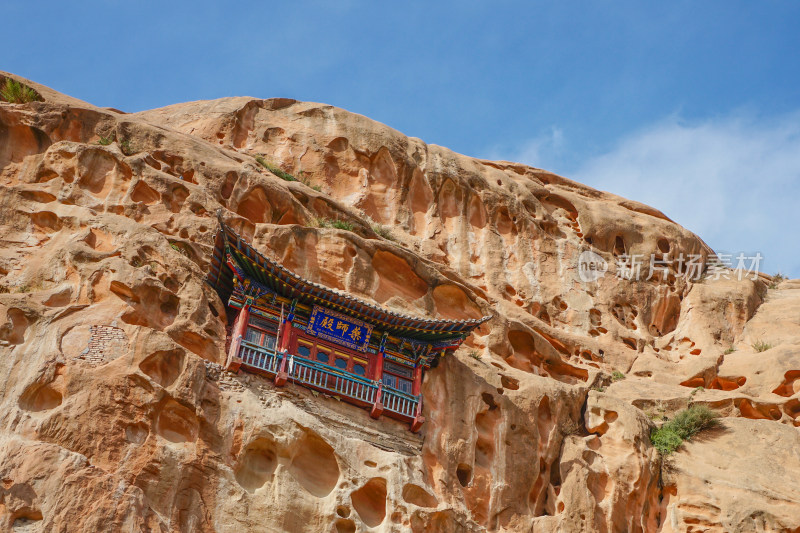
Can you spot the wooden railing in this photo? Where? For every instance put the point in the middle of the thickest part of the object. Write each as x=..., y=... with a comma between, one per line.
x=333, y=380
x=328, y=379
x=259, y=357
x=399, y=402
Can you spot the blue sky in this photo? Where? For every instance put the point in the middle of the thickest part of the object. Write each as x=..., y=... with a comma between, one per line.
x=690, y=106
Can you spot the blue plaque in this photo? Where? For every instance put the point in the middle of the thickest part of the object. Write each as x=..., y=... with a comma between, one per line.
x=341, y=329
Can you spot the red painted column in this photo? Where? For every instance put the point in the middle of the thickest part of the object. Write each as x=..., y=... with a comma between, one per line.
x=377, y=407
x=417, y=380
x=286, y=335
x=417, y=391
x=234, y=361
x=282, y=376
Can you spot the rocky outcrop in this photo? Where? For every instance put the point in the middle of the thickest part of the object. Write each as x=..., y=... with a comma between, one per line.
x=115, y=413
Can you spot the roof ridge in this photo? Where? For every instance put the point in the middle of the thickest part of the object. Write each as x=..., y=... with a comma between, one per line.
x=432, y=321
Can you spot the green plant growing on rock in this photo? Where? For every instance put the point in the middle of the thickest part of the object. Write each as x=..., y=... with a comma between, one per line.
x=696, y=390
x=379, y=229
x=616, y=375
x=105, y=141
x=475, y=354
x=776, y=280
x=657, y=412
x=383, y=231
x=126, y=147
x=302, y=178
x=15, y=92
x=180, y=249
x=761, y=346
x=322, y=222
x=730, y=350
x=275, y=169
x=342, y=224
x=686, y=424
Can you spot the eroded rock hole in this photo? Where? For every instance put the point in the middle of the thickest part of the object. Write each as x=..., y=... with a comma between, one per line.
x=790, y=384
x=136, y=433
x=489, y=400
x=176, y=423
x=163, y=367
x=143, y=193
x=26, y=521
x=416, y=495
x=509, y=383
x=256, y=464
x=370, y=501
x=40, y=397
x=315, y=466
x=464, y=474
x=619, y=245
x=630, y=343
x=345, y=526
x=13, y=331
x=255, y=207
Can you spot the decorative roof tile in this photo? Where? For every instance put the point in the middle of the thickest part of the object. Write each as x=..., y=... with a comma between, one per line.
x=291, y=285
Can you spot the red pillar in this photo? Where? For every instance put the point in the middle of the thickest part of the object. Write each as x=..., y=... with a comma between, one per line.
x=282, y=376
x=234, y=361
x=377, y=407
x=417, y=391
x=286, y=334
x=417, y=380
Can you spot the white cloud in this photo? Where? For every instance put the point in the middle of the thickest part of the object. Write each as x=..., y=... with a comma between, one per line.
x=543, y=151
x=735, y=180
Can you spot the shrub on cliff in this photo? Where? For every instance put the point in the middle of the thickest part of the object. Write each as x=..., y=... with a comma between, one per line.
x=684, y=426
x=776, y=280
x=379, y=229
x=285, y=175
x=275, y=169
x=328, y=223
x=17, y=93
x=761, y=346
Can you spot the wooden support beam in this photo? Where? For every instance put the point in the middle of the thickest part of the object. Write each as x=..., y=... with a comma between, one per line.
x=377, y=408
x=286, y=334
x=417, y=386
x=417, y=391
x=240, y=328
x=419, y=420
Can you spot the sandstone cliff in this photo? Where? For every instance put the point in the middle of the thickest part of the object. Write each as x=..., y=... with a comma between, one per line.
x=115, y=414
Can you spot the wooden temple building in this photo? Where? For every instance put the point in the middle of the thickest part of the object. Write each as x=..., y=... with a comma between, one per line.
x=293, y=330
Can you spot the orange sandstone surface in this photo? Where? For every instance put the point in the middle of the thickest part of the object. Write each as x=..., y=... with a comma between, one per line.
x=116, y=414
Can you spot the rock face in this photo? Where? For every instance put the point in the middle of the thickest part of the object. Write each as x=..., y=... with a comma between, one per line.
x=115, y=414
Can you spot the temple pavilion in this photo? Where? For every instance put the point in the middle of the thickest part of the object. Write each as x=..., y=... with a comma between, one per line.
x=293, y=330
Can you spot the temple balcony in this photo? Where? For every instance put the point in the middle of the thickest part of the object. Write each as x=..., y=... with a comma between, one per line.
x=291, y=329
x=378, y=397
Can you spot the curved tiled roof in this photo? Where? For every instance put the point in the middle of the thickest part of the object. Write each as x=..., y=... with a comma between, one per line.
x=291, y=285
